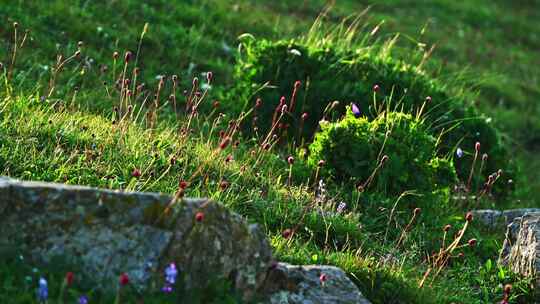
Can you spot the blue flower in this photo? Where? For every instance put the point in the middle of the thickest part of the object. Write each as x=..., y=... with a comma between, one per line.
x=459, y=152
x=356, y=110
x=170, y=278
x=43, y=290
x=83, y=300
x=171, y=273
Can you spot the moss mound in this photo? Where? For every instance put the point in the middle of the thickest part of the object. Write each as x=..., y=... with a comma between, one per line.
x=268, y=70
x=395, y=145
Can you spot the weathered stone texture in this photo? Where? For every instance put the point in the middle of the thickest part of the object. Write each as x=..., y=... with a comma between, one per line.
x=521, y=248
x=108, y=232
x=289, y=284
x=496, y=218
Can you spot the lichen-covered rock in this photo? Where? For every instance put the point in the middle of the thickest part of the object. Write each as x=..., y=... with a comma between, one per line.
x=487, y=217
x=107, y=233
x=492, y=218
x=290, y=284
x=521, y=248
x=510, y=215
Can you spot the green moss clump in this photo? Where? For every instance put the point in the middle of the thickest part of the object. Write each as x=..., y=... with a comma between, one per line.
x=353, y=148
x=329, y=72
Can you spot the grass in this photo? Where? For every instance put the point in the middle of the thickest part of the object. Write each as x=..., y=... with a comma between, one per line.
x=76, y=137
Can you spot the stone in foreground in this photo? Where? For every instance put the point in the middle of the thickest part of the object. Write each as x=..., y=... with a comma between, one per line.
x=107, y=233
x=289, y=284
x=521, y=248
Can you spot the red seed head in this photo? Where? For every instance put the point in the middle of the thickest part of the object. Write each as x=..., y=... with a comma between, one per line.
x=384, y=159
x=321, y=163
x=484, y=157
x=469, y=217
x=284, y=109
x=323, y=277
x=183, y=185
x=304, y=116
x=115, y=55
x=376, y=88
x=461, y=254
x=417, y=211
x=447, y=228
x=77, y=54
x=224, y=143
x=477, y=147
x=224, y=185
x=472, y=242
x=258, y=103
x=428, y=99
x=195, y=81
x=124, y=279
x=507, y=288
x=290, y=160
x=127, y=56
x=215, y=104
x=286, y=233
x=297, y=84
x=69, y=278
x=209, y=76
x=136, y=173
x=199, y=217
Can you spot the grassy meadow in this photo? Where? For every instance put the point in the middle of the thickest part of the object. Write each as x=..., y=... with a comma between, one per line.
x=162, y=96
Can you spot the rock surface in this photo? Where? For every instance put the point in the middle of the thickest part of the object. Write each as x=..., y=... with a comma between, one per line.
x=107, y=233
x=289, y=284
x=521, y=248
x=492, y=218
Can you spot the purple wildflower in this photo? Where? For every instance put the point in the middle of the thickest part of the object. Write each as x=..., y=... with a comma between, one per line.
x=43, y=290
x=83, y=300
x=341, y=207
x=459, y=152
x=167, y=289
x=355, y=110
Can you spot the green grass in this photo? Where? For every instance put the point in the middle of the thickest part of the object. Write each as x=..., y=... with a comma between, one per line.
x=71, y=138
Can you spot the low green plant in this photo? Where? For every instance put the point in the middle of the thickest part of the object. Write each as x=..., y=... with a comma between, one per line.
x=391, y=154
x=319, y=77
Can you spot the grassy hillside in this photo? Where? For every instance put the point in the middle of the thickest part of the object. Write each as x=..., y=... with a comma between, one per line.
x=71, y=119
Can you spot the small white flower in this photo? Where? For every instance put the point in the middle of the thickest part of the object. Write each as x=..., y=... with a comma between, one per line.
x=341, y=207
x=295, y=52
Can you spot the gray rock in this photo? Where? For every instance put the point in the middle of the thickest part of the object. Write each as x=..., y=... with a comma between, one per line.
x=487, y=217
x=510, y=215
x=521, y=248
x=107, y=233
x=289, y=284
x=495, y=218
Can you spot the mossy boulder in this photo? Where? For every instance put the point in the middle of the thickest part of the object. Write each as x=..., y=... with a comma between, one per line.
x=269, y=70
x=395, y=145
